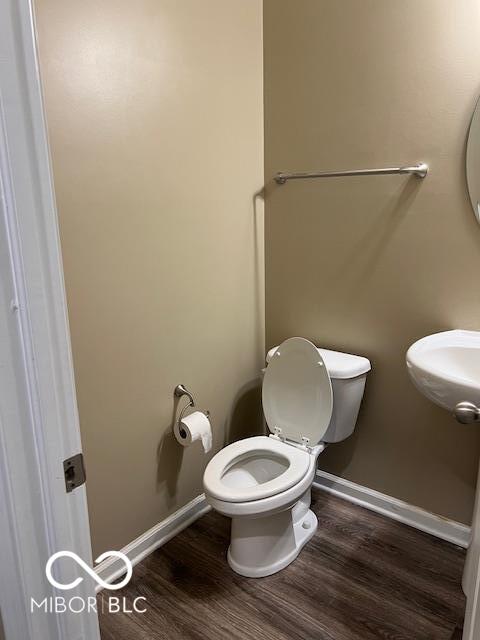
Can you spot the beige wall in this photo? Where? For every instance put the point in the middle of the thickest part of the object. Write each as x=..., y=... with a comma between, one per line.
x=155, y=117
x=368, y=265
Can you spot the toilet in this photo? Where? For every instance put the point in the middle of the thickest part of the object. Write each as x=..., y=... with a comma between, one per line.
x=311, y=397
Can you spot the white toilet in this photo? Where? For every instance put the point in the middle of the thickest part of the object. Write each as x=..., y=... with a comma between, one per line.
x=310, y=397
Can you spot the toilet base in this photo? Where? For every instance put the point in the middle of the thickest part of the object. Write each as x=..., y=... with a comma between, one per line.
x=260, y=547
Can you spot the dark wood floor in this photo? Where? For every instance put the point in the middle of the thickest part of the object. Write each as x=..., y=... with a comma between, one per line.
x=361, y=577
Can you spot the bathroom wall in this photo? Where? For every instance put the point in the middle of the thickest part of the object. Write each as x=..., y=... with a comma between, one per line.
x=154, y=111
x=368, y=265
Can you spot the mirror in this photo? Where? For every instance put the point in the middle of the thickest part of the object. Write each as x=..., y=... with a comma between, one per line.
x=473, y=162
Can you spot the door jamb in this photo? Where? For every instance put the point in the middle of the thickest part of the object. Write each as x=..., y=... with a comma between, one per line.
x=39, y=425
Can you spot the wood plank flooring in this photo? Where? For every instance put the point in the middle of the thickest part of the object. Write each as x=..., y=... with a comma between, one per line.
x=361, y=577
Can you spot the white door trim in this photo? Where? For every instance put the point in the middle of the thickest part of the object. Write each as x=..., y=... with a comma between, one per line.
x=38, y=415
x=471, y=576
x=472, y=613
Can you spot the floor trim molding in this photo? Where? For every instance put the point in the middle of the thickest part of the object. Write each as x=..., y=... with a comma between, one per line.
x=111, y=569
x=161, y=533
x=449, y=530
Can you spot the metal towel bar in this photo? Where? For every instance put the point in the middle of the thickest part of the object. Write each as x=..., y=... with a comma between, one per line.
x=419, y=170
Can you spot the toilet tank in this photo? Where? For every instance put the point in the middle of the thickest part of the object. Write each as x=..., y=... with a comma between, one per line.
x=348, y=374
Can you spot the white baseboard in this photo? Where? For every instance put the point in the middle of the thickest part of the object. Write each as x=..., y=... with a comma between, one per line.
x=144, y=545
x=111, y=569
x=449, y=530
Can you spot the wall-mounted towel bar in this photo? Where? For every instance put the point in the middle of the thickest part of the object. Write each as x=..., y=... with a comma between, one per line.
x=419, y=170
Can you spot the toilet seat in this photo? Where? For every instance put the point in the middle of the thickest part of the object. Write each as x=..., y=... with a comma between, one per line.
x=296, y=462
x=297, y=394
x=266, y=506
x=297, y=402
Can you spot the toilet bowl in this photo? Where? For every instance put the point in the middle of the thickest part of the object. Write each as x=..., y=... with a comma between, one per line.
x=310, y=397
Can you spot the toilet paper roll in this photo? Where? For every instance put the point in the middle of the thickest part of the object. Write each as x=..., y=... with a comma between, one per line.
x=196, y=426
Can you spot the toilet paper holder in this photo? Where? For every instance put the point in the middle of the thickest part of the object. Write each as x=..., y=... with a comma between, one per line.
x=180, y=391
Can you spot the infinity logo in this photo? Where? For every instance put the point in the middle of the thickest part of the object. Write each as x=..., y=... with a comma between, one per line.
x=89, y=570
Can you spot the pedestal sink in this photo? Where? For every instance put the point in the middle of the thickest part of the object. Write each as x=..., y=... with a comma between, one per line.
x=445, y=367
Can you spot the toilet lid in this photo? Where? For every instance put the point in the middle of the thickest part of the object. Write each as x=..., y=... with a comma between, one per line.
x=297, y=392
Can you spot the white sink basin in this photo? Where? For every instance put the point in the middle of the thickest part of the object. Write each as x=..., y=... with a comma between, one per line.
x=445, y=367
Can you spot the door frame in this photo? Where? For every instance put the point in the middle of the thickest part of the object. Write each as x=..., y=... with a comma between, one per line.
x=471, y=625
x=39, y=424
x=472, y=613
